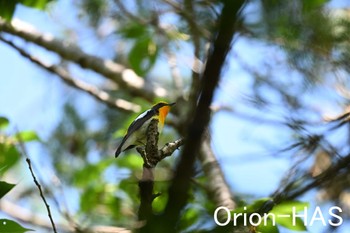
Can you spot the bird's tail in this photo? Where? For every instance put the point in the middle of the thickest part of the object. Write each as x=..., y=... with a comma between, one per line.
x=118, y=151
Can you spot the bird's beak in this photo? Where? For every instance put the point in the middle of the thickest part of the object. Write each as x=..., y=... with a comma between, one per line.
x=171, y=104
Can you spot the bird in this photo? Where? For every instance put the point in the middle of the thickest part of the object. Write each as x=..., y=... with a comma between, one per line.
x=136, y=133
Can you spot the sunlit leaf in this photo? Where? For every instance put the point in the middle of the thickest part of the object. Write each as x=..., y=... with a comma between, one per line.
x=189, y=217
x=281, y=211
x=4, y=122
x=38, y=4
x=160, y=202
x=9, y=156
x=143, y=55
x=289, y=206
x=10, y=226
x=5, y=188
x=27, y=136
x=252, y=208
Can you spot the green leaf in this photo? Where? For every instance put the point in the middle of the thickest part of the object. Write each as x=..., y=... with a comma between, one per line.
x=298, y=225
x=4, y=122
x=269, y=227
x=91, y=198
x=252, y=208
x=133, y=31
x=7, y=9
x=288, y=206
x=27, y=136
x=37, y=4
x=189, y=218
x=143, y=55
x=9, y=156
x=313, y=4
x=10, y=226
x=5, y=188
x=92, y=172
x=132, y=161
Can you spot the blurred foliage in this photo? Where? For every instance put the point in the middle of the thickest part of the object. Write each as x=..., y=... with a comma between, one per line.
x=314, y=43
x=9, y=157
x=7, y=8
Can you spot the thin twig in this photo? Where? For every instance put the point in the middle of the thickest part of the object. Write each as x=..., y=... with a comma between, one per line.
x=217, y=186
x=42, y=195
x=24, y=151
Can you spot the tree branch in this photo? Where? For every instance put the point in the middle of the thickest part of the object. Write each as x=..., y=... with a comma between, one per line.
x=169, y=148
x=126, y=78
x=147, y=181
x=179, y=189
x=217, y=186
x=288, y=193
x=63, y=74
x=151, y=156
x=42, y=195
x=24, y=151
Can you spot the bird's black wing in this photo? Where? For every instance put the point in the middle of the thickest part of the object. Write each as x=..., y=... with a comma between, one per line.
x=135, y=125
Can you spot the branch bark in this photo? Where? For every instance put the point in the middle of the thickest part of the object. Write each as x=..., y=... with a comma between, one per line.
x=217, y=187
x=179, y=189
x=151, y=156
x=124, y=77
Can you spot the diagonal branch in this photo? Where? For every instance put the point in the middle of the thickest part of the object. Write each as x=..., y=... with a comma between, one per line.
x=179, y=189
x=24, y=151
x=218, y=189
x=332, y=173
x=124, y=77
x=98, y=94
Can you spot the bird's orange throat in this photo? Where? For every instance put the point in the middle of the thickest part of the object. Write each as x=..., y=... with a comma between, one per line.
x=163, y=112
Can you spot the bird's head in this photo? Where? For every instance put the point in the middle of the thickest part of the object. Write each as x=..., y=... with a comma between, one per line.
x=162, y=108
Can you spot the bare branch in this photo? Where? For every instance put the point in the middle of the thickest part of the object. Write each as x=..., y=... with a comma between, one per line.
x=124, y=77
x=42, y=195
x=328, y=175
x=24, y=151
x=100, y=95
x=191, y=20
x=218, y=188
x=170, y=147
